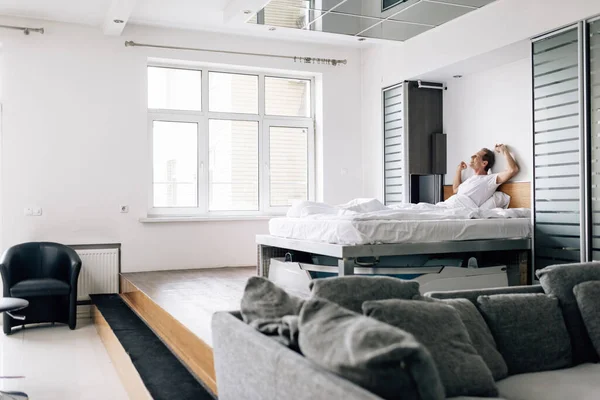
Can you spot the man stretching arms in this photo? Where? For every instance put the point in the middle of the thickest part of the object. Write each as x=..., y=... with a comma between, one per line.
x=482, y=186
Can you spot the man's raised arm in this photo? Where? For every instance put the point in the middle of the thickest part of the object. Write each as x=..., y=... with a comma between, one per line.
x=513, y=168
x=458, y=176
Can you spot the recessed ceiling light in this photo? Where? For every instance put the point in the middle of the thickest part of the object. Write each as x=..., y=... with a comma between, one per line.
x=272, y=28
x=362, y=39
x=457, y=76
x=118, y=21
x=247, y=12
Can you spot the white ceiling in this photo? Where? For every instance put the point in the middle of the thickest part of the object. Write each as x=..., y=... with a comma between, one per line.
x=187, y=14
x=87, y=12
x=483, y=62
x=212, y=15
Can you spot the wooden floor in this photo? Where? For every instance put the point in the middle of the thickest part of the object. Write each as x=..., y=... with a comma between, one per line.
x=178, y=306
x=193, y=296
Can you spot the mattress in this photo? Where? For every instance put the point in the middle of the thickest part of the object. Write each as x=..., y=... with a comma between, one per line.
x=358, y=232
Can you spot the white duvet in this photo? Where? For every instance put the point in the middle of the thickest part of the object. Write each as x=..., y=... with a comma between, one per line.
x=368, y=221
x=457, y=207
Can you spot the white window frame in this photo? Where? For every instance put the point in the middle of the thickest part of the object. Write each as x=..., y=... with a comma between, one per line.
x=202, y=119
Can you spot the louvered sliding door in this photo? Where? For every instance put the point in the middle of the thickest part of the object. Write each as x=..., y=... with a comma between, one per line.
x=557, y=149
x=594, y=114
x=394, y=145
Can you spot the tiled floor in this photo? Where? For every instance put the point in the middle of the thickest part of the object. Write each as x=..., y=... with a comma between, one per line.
x=59, y=364
x=193, y=296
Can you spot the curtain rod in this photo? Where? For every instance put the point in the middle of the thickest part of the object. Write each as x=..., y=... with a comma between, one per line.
x=25, y=30
x=306, y=60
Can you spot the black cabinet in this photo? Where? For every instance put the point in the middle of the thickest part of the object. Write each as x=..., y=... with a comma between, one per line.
x=414, y=145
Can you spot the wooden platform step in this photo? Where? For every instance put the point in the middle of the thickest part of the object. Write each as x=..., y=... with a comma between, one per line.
x=131, y=380
x=191, y=350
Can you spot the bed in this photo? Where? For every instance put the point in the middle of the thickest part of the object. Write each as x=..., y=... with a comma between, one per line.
x=507, y=240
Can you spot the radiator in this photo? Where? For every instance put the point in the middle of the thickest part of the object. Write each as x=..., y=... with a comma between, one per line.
x=99, y=272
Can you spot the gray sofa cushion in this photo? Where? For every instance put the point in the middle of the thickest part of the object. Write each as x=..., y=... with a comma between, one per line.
x=588, y=300
x=271, y=310
x=479, y=333
x=439, y=327
x=560, y=280
x=473, y=294
x=578, y=383
x=383, y=359
x=352, y=291
x=481, y=337
x=529, y=330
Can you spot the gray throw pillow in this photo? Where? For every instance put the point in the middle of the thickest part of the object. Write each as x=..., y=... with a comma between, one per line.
x=560, y=280
x=270, y=309
x=439, y=327
x=588, y=299
x=352, y=291
x=481, y=337
x=479, y=333
x=529, y=330
x=381, y=358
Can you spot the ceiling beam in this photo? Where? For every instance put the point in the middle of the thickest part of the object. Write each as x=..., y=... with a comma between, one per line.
x=234, y=11
x=117, y=16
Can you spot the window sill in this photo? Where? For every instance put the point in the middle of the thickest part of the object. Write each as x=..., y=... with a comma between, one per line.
x=215, y=218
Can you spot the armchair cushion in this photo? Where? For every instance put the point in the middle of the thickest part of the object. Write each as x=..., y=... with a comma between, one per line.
x=40, y=287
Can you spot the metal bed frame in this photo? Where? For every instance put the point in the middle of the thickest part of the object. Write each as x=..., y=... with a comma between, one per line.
x=273, y=246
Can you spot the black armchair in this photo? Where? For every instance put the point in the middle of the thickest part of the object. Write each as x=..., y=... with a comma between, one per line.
x=46, y=275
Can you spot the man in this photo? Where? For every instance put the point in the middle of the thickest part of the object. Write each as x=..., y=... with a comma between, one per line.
x=481, y=186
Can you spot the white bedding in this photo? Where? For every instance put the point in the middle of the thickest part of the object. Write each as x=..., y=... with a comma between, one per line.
x=367, y=221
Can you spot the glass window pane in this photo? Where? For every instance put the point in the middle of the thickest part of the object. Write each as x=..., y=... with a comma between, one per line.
x=174, y=89
x=288, y=159
x=233, y=165
x=557, y=142
x=287, y=97
x=175, y=162
x=233, y=93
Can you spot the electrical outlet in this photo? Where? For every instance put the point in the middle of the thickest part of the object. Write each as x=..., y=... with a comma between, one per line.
x=124, y=209
x=28, y=211
x=37, y=211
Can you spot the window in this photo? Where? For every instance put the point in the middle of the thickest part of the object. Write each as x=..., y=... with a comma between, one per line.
x=175, y=164
x=287, y=97
x=226, y=142
x=233, y=160
x=174, y=89
x=288, y=157
x=233, y=93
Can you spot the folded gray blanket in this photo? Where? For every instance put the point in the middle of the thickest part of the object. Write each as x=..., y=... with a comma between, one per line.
x=271, y=310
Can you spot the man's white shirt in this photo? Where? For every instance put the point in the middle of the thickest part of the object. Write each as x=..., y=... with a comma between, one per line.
x=479, y=188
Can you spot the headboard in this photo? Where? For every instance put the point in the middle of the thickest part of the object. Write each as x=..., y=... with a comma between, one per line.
x=519, y=192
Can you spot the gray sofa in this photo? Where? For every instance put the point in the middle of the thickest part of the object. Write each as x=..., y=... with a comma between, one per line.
x=253, y=366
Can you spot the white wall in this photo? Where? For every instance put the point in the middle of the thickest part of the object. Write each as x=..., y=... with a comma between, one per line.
x=75, y=140
x=490, y=107
x=497, y=25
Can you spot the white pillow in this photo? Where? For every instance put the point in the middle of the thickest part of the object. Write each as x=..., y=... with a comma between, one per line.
x=498, y=200
x=303, y=208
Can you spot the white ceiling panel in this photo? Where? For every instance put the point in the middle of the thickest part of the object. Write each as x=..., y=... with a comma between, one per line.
x=179, y=13
x=86, y=12
x=340, y=23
